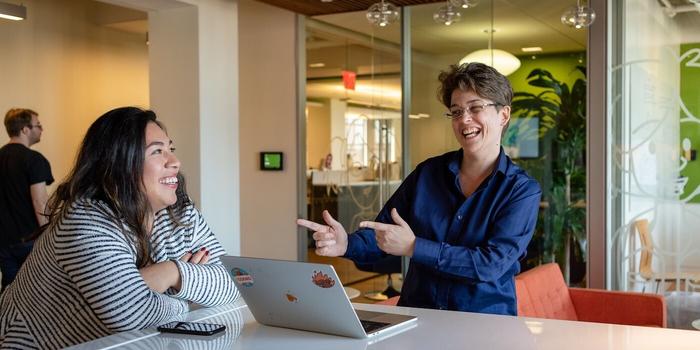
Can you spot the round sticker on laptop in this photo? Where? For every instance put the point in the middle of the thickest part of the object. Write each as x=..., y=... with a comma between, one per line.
x=242, y=277
x=322, y=280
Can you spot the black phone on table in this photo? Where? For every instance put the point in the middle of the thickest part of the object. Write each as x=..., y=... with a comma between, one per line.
x=194, y=328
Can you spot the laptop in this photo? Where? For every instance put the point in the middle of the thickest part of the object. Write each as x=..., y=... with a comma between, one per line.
x=308, y=297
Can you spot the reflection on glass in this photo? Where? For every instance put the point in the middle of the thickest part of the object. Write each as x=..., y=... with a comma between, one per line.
x=655, y=122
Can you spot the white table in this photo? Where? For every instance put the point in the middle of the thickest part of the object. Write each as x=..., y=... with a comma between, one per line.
x=435, y=330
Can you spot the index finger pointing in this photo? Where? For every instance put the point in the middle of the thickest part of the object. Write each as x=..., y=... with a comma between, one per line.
x=312, y=225
x=375, y=225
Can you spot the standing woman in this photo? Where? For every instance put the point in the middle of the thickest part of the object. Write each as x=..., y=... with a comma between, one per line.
x=124, y=249
x=464, y=218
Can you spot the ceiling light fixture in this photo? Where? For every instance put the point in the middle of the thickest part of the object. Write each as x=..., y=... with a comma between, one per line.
x=447, y=14
x=13, y=12
x=504, y=62
x=382, y=13
x=579, y=16
x=465, y=4
x=531, y=49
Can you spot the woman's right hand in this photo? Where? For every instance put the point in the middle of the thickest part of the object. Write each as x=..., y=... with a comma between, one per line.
x=200, y=256
x=161, y=276
x=331, y=239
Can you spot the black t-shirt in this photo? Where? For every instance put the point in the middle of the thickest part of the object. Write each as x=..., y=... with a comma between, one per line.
x=20, y=167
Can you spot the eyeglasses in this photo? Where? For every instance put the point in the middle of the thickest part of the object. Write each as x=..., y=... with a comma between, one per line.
x=471, y=110
x=38, y=126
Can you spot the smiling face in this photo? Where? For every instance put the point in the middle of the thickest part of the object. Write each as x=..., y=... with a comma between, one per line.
x=160, y=169
x=479, y=133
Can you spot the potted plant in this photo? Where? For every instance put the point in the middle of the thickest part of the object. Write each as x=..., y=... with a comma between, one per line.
x=562, y=114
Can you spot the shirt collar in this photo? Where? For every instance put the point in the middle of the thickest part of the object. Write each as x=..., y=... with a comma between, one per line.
x=456, y=160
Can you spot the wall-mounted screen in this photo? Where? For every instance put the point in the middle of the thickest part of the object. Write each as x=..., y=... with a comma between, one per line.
x=271, y=160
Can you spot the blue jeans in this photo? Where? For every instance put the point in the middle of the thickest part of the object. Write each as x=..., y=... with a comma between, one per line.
x=11, y=259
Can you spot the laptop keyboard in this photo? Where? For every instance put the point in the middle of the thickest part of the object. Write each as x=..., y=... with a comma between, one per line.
x=371, y=326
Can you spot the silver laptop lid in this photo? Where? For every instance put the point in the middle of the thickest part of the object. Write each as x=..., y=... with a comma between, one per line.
x=295, y=295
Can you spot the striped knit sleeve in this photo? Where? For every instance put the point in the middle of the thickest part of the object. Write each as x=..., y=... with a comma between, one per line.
x=101, y=263
x=208, y=284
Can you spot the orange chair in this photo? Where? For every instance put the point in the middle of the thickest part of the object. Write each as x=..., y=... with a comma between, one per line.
x=542, y=293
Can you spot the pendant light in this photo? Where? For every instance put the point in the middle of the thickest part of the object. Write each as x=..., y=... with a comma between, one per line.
x=579, y=16
x=504, y=62
x=382, y=13
x=447, y=14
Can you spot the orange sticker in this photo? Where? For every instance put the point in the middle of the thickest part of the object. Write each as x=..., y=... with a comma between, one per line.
x=322, y=280
x=291, y=298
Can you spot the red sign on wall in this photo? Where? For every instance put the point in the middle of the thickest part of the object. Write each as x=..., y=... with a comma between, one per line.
x=349, y=79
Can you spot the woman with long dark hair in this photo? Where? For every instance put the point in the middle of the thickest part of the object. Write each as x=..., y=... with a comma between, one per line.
x=124, y=249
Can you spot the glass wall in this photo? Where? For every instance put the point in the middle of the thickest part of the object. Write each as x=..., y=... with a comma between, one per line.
x=354, y=128
x=360, y=125
x=654, y=106
x=547, y=133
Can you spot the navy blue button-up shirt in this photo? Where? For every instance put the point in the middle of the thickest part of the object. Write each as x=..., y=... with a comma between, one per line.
x=467, y=248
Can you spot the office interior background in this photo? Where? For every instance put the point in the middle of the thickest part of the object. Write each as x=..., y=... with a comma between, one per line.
x=606, y=118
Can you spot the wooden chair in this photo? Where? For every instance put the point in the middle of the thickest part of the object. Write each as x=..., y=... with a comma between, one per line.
x=542, y=293
x=645, y=270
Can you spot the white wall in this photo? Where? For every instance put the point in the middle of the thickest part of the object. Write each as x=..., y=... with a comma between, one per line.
x=70, y=70
x=194, y=73
x=174, y=66
x=267, y=123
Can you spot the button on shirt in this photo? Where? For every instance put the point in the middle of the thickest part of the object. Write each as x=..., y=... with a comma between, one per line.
x=467, y=248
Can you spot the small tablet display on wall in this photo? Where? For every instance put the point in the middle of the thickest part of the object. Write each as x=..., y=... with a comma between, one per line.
x=271, y=160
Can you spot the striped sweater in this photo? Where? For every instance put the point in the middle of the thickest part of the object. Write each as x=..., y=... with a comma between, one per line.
x=81, y=281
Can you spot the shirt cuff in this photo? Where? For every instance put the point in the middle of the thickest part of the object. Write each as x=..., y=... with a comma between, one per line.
x=186, y=283
x=353, y=246
x=426, y=252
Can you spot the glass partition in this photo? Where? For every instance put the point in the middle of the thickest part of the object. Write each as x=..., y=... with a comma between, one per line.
x=549, y=144
x=654, y=106
x=354, y=131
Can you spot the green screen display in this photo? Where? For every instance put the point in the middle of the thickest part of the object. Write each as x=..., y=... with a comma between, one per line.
x=271, y=160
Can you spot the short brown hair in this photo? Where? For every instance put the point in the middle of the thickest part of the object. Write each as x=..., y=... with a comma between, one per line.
x=17, y=119
x=484, y=80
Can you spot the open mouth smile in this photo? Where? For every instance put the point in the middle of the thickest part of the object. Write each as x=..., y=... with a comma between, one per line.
x=170, y=181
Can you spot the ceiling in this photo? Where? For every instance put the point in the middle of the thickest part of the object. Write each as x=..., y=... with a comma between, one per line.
x=517, y=23
x=324, y=7
x=348, y=41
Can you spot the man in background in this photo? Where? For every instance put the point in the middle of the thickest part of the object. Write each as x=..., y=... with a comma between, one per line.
x=24, y=175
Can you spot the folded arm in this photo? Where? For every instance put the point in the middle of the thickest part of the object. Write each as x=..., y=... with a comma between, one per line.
x=103, y=268
x=206, y=284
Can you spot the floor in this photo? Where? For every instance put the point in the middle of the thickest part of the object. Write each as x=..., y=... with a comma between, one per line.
x=350, y=276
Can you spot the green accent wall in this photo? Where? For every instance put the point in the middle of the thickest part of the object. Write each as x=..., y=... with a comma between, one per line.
x=562, y=66
x=690, y=96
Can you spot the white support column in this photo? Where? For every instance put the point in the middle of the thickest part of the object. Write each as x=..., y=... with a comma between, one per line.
x=194, y=89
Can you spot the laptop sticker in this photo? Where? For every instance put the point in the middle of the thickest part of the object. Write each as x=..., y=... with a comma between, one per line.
x=242, y=277
x=322, y=280
x=291, y=298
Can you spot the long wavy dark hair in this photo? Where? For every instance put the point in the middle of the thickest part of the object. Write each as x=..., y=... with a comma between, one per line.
x=109, y=168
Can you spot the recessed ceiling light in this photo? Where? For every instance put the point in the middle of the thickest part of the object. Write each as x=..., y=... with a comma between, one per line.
x=317, y=65
x=12, y=12
x=532, y=49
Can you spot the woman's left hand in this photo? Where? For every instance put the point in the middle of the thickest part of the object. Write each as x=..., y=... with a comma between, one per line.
x=396, y=239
